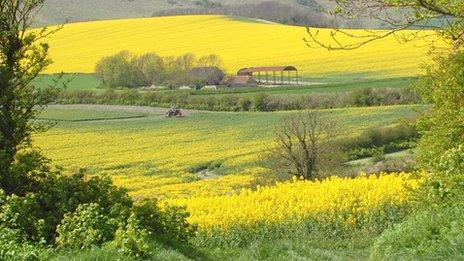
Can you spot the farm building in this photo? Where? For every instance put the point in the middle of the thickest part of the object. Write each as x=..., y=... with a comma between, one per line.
x=211, y=75
x=241, y=81
x=272, y=75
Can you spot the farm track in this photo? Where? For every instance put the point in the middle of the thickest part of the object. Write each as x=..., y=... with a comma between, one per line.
x=149, y=111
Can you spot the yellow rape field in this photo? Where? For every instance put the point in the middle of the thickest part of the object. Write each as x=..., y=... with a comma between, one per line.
x=336, y=199
x=156, y=157
x=240, y=43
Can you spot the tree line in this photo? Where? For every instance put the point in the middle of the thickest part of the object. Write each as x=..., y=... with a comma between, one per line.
x=126, y=69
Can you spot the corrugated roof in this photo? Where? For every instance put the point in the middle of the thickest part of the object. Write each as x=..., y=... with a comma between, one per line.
x=267, y=69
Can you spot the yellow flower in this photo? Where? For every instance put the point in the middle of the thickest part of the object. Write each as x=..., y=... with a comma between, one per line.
x=245, y=44
x=343, y=199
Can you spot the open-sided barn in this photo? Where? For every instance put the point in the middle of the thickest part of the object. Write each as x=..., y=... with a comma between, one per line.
x=271, y=74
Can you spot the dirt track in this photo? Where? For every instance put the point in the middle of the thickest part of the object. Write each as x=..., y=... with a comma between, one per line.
x=133, y=109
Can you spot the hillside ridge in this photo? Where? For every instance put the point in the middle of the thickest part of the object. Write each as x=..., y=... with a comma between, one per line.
x=294, y=12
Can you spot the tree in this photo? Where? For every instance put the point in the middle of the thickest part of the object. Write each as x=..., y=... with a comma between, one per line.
x=305, y=146
x=22, y=57
x=444, y=18
x=442, y=127
x=37, y=204
x=116, y=70
x=146, y=69
x=211, y=60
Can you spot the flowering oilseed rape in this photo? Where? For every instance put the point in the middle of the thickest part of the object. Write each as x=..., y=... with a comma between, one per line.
x=239, y=43
x=157, y=157
x=336, y=199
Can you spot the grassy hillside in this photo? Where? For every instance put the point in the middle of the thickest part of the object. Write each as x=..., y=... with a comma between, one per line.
x=60, y=11
x=77, y=47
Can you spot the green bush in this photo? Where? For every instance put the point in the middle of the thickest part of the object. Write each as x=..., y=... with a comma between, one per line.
x=442, y=127
x=79, y=212
x=434, y=234
x=378, y=155
x=261, y=102
x=86, y=227
x=168, y=223
x=452, y=162
x=200, y=100
x=132, y=240
x=387, y=139
x=14, y=246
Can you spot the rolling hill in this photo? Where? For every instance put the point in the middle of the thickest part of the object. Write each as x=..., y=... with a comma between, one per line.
x=239, y=42
x=60, y=11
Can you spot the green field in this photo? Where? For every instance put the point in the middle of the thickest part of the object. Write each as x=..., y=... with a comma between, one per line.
x=84, y=82
x=84, y=114
x=328, y=84
x=156, y=156
x=319, y=86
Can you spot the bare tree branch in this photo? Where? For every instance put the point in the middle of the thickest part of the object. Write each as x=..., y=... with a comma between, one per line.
x=444, y=17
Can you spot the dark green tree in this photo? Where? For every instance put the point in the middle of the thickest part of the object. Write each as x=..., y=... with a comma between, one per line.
x=23, y=56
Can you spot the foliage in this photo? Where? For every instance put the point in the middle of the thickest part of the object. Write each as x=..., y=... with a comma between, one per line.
x=452, y=162
x=237, y=102
x=132, y=239
x=22, y=58
x=170, y=221
x=261, y=102
x=86, y=227
x=126, y=69
x=80, y=214
x=13, y=246
x=385, y=139
x=76, y=211
x=442, y=127
x=434, y=233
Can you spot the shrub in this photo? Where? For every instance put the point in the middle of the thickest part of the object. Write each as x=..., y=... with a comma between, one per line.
x=363, y=97
x=381, y=140
x=13, y=246
x=378, y=155
x=434, y=234
x=452, y=161
x=78, y=212
x=86, y=227
x=448, y=179
x=20, y=214
x=442, y=127
x=236, y=102
x=168, y=223
x=261, y=102
x=393, y=165
x=132, y=239
x=175, y=225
